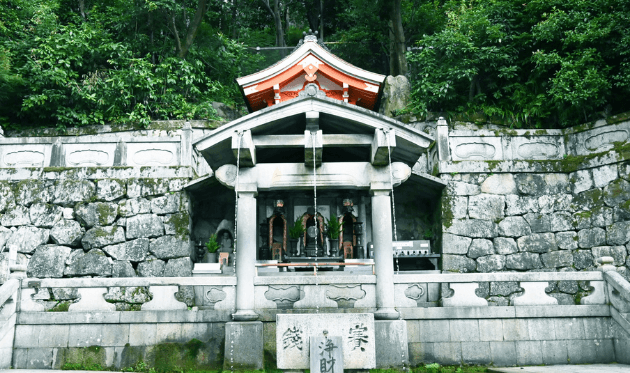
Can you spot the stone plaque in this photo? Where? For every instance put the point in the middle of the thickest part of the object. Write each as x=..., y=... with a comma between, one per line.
x=326, y=354
x=294, y=332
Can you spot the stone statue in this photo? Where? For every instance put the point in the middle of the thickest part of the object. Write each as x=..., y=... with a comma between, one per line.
x=226, y=242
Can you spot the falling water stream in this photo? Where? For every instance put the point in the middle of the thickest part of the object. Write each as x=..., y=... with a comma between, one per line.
x=238, y=165
x=313, y=137
x=391, y=181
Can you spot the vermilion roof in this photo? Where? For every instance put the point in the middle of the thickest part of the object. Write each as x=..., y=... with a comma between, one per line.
x=311, y=63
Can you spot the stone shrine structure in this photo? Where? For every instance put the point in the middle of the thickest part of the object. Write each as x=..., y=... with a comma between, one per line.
x=313, y=126
x=461, y=242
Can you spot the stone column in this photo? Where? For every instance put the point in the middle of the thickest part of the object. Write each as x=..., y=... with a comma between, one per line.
x=363, y=218
x=245, y=256
x=383, y=255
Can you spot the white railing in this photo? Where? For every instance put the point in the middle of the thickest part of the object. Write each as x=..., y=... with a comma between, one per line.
x=8, y=317
x=91, y=291
x=464, y=286
x=102, y=150
x=412, y=291
x=619, y=297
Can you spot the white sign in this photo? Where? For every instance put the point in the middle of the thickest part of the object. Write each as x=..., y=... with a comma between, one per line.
x=356, y=330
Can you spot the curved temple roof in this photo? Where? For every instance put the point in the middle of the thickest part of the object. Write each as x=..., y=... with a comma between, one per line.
x=311, y=63
x=347, y=125
x=313, y=109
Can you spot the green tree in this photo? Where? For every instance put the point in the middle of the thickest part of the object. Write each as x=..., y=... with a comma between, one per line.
x=68, y=63
x=536, y=64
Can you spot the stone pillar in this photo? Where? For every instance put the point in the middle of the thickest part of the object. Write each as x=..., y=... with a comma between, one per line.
x=444, y=153
x=245, y=256
x=363, y=218
x=383, y=255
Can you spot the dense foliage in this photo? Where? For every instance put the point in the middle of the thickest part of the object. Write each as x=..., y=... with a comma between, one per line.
x=62, y=64
x=536, y=64
x=543, y=63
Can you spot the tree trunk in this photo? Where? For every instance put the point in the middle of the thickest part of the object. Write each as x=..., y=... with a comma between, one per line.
x=277, y=20
x=397, y=59
x=234, y=22
x=82, y=9
x=192, y=30
x=321, y=20
x=313, y=9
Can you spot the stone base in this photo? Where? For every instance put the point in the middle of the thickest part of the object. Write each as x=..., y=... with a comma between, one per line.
x=392, y=350
x=245, y=315
x=243, y=346
x=386, y=314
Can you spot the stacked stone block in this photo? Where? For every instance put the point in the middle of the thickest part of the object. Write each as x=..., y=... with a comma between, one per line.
x=97, y=228
x=509, y=342
x=536, y=222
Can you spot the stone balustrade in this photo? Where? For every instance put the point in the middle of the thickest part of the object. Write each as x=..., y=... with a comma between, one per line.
x=467, y=289
x=330, y=291
x=150, y=293
x=619, y=296
x=503, y=150
x=442, y=333
x=108, y=154
x=8, y=297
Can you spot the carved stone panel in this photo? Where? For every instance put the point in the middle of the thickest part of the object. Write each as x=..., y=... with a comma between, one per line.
x=537, y=147
x=345, y=295
x=213, y=295
x=476, y=148
x=89, y=154
x=356, y=331
x=599, y=139
x=25, y=155
x=596, y=142
x=418, y=293
x=153, y=154
x=283, y=296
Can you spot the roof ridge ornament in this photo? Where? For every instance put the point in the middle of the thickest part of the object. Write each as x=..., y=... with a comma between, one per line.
x=311, y=36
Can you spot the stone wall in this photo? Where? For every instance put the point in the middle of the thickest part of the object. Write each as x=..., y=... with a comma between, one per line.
x=521, y=341
x=173, y=342
x=557, y=213
x=63, y=226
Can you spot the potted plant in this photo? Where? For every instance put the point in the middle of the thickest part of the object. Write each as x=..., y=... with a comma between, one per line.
x=295, y=232
x=212, y=245
x=333, y=228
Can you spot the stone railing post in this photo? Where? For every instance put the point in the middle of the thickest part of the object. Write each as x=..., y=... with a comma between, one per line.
x=444, y=153
x=383, y=254
x=599, y=294
x=186, y=145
